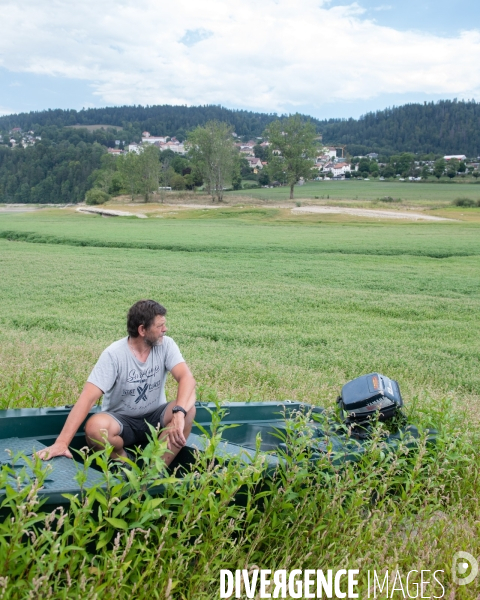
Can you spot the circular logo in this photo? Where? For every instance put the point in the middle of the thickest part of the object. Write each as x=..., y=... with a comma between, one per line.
x=464, y=568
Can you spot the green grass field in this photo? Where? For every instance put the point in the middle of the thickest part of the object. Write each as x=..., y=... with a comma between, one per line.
x=262, y=309
x=416, y=193
x=265, y=306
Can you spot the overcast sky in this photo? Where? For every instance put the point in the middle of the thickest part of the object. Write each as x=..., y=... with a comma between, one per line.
x=324, y=58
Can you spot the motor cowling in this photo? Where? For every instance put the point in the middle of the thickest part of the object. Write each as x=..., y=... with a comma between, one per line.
x=370, y=396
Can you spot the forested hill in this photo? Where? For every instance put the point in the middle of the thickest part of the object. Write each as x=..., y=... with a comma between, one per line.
x=59, y=167
x=158, y=120
x=444, y=127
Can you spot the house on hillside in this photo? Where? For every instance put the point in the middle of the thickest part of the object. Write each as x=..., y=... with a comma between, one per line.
x=174, y=146
x=339, y=169
x=254, y=163
x=246, y=150
x=152, y=139
x=335, y=151
x=327, y=166
x=456, y=156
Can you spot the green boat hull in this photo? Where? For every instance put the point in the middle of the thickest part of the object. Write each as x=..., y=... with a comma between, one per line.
x=24, y=431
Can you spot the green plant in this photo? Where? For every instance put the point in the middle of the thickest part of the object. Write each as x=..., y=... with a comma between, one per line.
x=96, y=196
x=121, y=541
x=389, y=199
x=465, y=202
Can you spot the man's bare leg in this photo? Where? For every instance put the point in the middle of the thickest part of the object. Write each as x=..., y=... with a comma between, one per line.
x=100, y=426
x=174, y=450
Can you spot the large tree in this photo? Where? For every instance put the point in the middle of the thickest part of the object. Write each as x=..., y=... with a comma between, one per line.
x=141, y=172
x=292, y=143
x=128, y=169
x=439, y=167
x=148, y=163
x=214, y=155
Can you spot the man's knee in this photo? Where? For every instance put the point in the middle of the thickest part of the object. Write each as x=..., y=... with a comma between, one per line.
x=100, y=426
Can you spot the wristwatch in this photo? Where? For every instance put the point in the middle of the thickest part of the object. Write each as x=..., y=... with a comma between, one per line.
x=177, y=409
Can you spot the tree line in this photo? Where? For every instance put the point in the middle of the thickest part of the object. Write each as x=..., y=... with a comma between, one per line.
x=409, y=165
x=443, y=127
x=212, y=161
x=48, y=172
x=163, y=120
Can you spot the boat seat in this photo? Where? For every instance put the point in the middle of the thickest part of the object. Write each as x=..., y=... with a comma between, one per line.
x=227, y=449
x=61, y=471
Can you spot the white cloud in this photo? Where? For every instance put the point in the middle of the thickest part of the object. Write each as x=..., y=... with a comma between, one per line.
x=262, y=55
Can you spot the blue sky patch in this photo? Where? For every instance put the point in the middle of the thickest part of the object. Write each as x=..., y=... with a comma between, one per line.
x=23, y=92
x=193, y=36
x=440, y=17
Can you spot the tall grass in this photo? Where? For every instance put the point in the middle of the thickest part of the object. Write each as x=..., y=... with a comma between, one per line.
x=402, y=510
x=37, y=389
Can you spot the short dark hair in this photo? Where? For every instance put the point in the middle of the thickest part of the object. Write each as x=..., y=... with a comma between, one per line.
x=143, y=313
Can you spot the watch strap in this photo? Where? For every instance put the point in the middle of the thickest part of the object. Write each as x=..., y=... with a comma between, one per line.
x=177, y=409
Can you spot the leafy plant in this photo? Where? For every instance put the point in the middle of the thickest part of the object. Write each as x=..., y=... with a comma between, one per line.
x=96, y=196
x=465, y=202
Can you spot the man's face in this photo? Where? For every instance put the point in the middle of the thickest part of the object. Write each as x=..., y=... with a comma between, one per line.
x=154, y=334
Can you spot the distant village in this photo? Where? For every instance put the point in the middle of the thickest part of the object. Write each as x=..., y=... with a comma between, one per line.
x=331, y=163
x=19, y=138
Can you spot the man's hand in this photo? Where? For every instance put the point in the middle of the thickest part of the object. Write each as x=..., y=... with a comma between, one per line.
x=175, y=433
x=57, y=449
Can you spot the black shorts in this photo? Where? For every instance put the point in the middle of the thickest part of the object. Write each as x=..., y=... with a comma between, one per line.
x=134, y=430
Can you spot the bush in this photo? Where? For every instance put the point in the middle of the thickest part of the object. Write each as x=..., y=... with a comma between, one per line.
x=389, y=199
x=116, y=186
x=178, y=182
x=465, y=202
x=96, y=196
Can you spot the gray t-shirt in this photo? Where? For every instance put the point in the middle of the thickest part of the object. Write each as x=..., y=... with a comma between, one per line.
x=130, y=387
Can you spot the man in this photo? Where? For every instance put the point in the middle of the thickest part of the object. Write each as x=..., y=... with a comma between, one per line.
x=131, y=374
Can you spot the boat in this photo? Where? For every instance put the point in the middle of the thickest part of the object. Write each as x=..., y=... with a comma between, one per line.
x=246, y=428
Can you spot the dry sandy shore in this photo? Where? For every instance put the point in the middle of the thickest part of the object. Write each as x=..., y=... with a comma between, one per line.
x=106, y=212
x=328, y=210
x=366, y=212
x=15, y=209
x=30, y=207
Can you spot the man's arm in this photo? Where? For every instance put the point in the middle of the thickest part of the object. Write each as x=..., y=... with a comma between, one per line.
x=185, y=399
x=89, y=396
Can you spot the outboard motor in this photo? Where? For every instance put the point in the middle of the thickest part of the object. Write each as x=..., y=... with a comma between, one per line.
x=368, y=396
